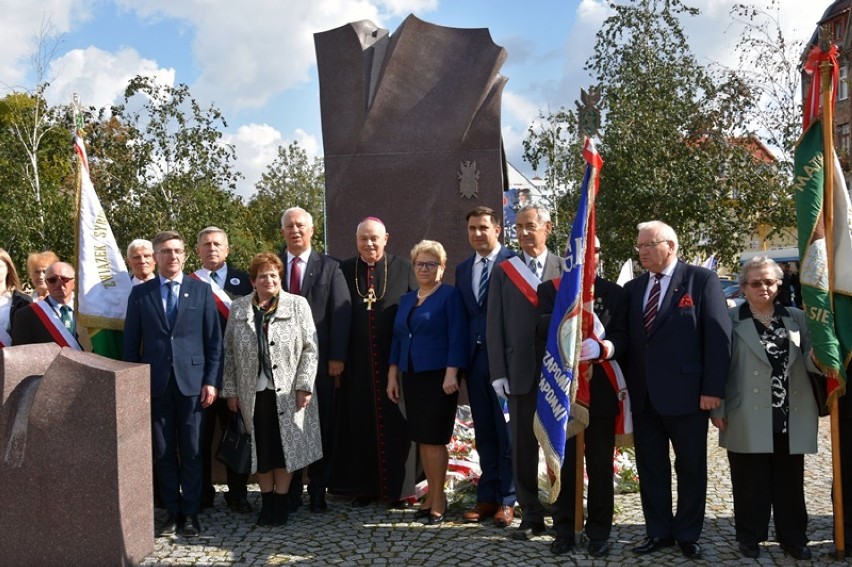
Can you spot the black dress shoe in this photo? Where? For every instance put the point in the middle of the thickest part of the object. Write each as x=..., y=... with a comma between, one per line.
x=750, y=550
x=690, y=549
x=598, y=548
x=399, y=505
x=318, y=503
x=170, y=526
x=528, y=529
x=239, y=504
x=801, y=552
x=561, y=545
x=191, y=527
x=652, y=544
x=361, y=501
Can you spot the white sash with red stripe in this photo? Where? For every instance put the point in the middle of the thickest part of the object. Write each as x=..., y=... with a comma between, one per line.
x=223, y=300
x=54, y=325
x=624, y=421
x=520, y=275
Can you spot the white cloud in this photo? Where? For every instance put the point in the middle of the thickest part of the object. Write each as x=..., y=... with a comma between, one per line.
x=518, y=108
x=100, y=77
x=23, y=24
x=257, y=147
x=249, y=52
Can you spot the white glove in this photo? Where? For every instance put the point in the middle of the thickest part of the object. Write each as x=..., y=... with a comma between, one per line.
x=590, y=350
x=501, y=388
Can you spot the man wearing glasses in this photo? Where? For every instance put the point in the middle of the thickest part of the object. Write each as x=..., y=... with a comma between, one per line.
x=510, y=335
x=679, y=353
x=52, y=320
x=172, y=324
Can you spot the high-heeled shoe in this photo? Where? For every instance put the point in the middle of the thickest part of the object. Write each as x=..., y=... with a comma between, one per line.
x=422, y=513
x=434, y=519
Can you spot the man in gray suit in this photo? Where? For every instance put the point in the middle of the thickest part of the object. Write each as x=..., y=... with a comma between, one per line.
x=510, y=335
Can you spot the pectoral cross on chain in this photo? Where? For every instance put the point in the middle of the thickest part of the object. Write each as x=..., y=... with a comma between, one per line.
x=370, y=299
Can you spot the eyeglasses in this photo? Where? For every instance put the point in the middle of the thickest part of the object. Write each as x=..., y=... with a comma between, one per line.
x=170, y=251
x=427, y=266
x=529, y=227
x=761, y=283
x=53, y=279
x=648, y=245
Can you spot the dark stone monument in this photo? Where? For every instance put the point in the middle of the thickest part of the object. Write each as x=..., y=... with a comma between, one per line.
x=411, y=132
x=75, y=459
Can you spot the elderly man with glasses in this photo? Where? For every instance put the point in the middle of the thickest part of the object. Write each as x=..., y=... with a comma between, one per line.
x=52, y=320
x=679, y=352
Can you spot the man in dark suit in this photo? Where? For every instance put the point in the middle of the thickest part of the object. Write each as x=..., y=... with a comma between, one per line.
x=172, y=325
x=610, y=306
x=510, y=335
x=51, y=320
x=318, y=279
x=228, y=283
x=679, y=353
x=495, y=491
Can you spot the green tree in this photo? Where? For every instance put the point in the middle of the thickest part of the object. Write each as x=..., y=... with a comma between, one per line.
x=37, y=204
x=673, y=141
x=161, y=163
x=291, y=180
x=552, y=143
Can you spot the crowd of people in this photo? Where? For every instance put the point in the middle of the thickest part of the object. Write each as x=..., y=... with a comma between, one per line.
x=348, y=373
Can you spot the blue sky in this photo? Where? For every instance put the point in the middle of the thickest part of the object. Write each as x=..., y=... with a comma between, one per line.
x=254, y=59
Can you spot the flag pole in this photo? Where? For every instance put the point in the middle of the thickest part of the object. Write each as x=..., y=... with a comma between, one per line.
x=580, y=444
x=78, y=120
x=826, y=68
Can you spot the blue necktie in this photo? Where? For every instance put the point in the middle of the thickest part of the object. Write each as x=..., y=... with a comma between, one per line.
x=171, y=304
x=534, y=267
x=483, y=281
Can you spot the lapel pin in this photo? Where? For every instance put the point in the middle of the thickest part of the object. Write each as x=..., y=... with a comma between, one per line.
x=235, y=281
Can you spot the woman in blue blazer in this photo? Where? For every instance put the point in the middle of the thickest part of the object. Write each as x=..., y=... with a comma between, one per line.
x=429, y=347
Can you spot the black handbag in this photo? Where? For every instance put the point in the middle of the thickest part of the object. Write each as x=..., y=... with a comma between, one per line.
x=820, y=387
x=235, y=446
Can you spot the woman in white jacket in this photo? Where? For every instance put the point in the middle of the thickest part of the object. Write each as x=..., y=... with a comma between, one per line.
x=270, y=367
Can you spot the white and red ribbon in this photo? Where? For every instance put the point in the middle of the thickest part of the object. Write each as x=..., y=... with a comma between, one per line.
x=220, y=296
x=54, y=325
x=522, y=277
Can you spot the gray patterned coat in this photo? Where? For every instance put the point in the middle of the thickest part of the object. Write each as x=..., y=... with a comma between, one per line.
x=293, y=353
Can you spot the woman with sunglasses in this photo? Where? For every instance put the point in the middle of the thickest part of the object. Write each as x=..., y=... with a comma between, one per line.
x=768, y=419
x=429, y=347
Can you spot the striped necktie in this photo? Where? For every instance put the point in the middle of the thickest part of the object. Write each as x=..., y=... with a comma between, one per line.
x=483, y=281
x=653, y=304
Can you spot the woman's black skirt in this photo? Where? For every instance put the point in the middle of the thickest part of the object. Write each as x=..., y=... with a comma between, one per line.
x=431, y=413
x=267, y=434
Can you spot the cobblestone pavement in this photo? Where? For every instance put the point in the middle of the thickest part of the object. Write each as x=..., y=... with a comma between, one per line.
x=376, y=536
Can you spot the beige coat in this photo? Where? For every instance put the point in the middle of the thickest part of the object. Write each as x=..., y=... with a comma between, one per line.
x=293, y=353
x=748, y=397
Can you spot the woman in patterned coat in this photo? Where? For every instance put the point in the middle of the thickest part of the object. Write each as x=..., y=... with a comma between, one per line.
x=270, y=367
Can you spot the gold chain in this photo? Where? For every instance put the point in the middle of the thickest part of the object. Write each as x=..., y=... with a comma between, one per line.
x=371, y=290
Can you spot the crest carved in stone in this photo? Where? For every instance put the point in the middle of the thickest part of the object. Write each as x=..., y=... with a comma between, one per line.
x=468, y=177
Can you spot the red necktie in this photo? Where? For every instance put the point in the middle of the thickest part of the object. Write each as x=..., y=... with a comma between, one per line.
x=653, y=301
x=295, y=277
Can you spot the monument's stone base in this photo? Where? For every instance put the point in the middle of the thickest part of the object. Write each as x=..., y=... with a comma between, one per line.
x=75, y=459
